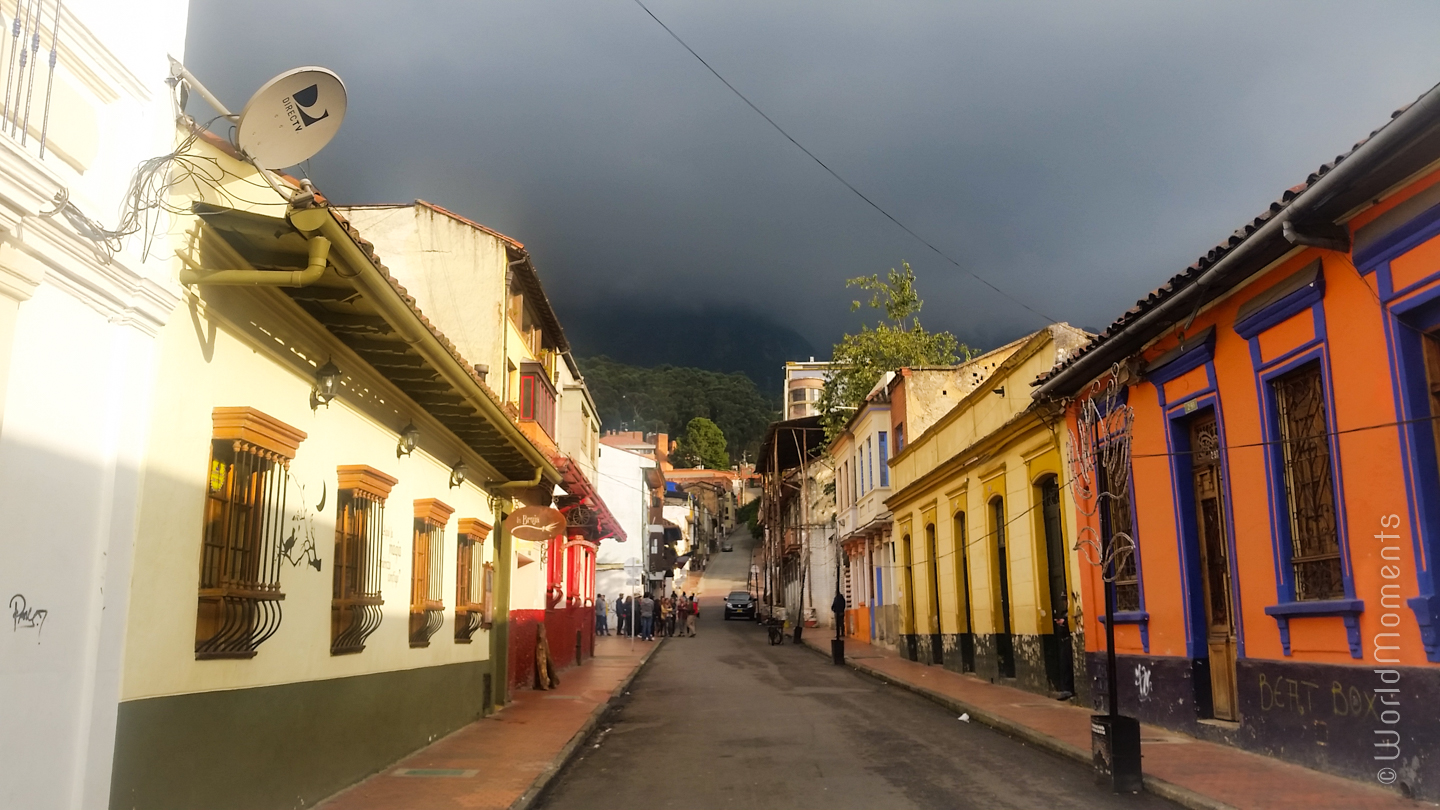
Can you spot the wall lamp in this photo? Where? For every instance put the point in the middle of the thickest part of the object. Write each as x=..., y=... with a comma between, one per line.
x=409, y=437
x=458, y=473
x=999, y=391
x=327, y=385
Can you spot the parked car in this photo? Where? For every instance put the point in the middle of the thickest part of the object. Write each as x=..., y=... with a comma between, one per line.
x=739, y=603
x=727, y=546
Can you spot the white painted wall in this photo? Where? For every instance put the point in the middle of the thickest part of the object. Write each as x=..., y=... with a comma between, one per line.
x=77, y=354
x=622, y=487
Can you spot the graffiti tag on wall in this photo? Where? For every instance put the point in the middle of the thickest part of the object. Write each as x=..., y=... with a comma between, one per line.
x=25, y=616
x=299, y=546
x=1142, y=680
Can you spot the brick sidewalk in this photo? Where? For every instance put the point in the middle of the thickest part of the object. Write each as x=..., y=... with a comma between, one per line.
x=492, y=764
x=1191, y=772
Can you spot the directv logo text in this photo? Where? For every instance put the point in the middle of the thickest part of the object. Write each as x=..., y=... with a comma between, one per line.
x=297, y=105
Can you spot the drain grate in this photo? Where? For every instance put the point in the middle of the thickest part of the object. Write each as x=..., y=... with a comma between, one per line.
x=450, y=772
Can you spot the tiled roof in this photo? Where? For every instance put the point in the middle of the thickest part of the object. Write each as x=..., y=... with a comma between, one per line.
x=575, y=483
x=368, y=249
x=1189, y=275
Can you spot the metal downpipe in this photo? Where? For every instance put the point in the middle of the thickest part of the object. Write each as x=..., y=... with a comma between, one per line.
x=319, y=254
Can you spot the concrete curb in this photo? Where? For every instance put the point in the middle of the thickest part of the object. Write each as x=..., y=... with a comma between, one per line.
x=572, y=748
x=1165, y=790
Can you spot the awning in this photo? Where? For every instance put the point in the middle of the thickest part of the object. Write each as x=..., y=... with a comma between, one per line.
x=574, y=482
x=359, y=302
x=786, y=442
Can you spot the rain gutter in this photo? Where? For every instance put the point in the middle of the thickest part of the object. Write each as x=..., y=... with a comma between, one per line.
x=376, y=288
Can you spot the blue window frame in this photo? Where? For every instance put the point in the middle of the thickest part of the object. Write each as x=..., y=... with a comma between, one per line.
x=1196, y=352
x=1303, y=473
x=884, y=462
x=870, y=461
x=1413, y=318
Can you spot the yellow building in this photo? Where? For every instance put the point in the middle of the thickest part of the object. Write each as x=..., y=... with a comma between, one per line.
x=982, y=552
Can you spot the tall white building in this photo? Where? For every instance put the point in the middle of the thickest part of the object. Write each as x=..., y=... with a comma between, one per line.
x=626, y=491
x=78, y=327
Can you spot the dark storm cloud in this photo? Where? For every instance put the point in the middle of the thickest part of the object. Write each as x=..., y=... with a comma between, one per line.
x=1076, y=154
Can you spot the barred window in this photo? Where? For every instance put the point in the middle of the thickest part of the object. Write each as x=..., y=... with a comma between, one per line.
x=427, y=606
x=1309, y=485
x=239, y=599
x=1127, y=571
x=473, y=580
x=355, y=606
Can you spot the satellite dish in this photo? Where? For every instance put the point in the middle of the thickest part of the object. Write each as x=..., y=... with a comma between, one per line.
x=291, y=117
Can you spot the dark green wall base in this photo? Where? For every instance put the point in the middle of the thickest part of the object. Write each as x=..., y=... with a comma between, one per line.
x=285, y=746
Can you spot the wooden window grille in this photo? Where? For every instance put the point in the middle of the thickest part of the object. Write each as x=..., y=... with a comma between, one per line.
x=472, y=610
x=239, y=598
x=355, y=606
x=1309, y=484
x=427, y=573
x=1127, y=570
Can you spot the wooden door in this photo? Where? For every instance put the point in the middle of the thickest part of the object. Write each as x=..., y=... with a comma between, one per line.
x=1004, y=642
x=967, y=626
x=1060, y=654
x=1214, y=565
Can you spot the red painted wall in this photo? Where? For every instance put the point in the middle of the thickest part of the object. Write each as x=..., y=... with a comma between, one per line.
x=560, y=627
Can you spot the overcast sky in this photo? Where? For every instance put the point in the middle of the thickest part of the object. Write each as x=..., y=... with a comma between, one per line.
x=1075, y=154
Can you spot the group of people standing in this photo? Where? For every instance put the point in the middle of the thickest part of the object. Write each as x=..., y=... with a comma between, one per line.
x=645, y=617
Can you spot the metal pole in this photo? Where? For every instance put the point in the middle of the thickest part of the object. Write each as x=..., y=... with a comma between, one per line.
x=178, y=70
x=1112, y=680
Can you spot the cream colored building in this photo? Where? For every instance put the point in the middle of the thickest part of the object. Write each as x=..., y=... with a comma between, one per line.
x=803, y=381
x=483, y=290
x=860, y=457
x=337, y=473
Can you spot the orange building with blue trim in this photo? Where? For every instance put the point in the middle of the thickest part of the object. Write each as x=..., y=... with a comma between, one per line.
x=1284, y=486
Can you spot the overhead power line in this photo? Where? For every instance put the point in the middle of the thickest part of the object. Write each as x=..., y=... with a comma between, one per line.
x=834, y=174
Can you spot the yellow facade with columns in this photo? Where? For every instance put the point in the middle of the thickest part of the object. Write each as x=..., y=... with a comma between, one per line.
x=983, y=541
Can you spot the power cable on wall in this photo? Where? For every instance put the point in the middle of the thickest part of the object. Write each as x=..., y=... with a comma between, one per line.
x=938, y=252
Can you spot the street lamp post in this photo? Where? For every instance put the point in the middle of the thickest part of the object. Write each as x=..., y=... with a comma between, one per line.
x=837, y=606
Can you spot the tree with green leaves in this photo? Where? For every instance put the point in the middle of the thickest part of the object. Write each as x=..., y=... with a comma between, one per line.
x=666, y=398
x=702, y=445
x=896, y=341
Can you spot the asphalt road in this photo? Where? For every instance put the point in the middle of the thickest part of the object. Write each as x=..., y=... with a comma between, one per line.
x=725, y=720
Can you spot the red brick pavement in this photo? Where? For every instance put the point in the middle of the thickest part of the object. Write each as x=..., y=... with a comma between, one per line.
x=1193, y=772
x=493, y=762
